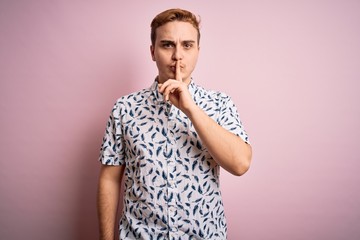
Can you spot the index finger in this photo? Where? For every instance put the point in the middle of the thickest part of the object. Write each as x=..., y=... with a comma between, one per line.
x=178, y=75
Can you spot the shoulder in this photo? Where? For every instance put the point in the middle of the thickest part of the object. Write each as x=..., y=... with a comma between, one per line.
x=210, y=95
x=133, y=98
x=127, y=102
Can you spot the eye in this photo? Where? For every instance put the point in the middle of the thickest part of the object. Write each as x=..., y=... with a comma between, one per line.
x=168, y=45
x=188, y=45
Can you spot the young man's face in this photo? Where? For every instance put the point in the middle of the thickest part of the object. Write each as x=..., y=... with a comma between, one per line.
x=175, y=41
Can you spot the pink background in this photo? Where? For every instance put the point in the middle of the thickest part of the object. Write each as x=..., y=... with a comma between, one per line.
x=292, y=68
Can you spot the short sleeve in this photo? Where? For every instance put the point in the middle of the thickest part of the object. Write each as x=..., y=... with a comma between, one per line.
x=112, y=150
x=230, y=120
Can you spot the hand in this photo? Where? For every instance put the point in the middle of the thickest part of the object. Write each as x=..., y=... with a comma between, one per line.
x=176, y=91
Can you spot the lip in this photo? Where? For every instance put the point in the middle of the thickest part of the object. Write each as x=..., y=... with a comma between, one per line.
x=173, y=68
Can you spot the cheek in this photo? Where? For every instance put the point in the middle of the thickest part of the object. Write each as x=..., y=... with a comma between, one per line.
x=193, y=63
x=160, y=58
x=161, y=64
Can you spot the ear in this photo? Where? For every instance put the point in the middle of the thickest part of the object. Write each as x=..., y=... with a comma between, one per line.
x=152, y=50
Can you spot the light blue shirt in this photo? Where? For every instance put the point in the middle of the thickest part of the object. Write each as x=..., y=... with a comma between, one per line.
x=172, y=186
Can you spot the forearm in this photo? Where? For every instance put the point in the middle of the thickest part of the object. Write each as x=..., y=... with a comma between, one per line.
x=107, y=204
x=227, y=149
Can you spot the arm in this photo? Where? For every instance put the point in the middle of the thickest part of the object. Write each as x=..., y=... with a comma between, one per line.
x=108, y=199
x=227, y=149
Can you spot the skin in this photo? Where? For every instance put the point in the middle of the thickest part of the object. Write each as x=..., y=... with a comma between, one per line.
x=175, y=46
x=227, y=149
x=108, y=200
x=175, y=52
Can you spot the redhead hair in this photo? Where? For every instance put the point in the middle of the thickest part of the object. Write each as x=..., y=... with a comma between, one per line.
x=175, y=14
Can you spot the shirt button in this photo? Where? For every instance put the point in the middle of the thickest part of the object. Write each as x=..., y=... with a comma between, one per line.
x=172, y=182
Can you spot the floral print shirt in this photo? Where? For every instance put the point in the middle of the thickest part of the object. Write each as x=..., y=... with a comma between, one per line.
x=171, y=181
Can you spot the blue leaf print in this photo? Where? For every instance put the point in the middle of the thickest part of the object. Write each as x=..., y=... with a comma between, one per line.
x=188, y=150
x=201, y=168
x=169, y=155
x=189, y=195
x=194, y=164
x=186, y=176
x=154, y=178
x=171, y=197
x=153, y=136
x=163, y=219
x=150, y=129
x=164, y=176
x=141, y=135
x=163, y=132
x=197, y=223
x=198, y=145
x=159, y=194
x=158, y=151
x=196, y=178
x=201, y=234
x=200, y=190
x=195, y=209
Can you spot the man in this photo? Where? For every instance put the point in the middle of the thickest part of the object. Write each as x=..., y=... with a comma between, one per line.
x=169, y=142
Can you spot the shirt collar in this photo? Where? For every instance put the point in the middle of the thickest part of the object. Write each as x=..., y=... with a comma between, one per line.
x=159, y=98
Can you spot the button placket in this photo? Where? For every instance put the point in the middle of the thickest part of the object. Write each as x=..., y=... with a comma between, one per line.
x=171, y=168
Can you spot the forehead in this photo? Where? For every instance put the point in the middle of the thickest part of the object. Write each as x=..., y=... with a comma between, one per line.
x=176, y=30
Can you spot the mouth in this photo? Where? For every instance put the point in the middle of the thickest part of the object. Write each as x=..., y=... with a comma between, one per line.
x=173, y=68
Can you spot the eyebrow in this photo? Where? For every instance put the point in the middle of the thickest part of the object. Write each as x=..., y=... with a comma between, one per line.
x=167, y=41
x=173, y=42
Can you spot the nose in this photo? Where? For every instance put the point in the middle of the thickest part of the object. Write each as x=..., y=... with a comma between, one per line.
x=178, y=53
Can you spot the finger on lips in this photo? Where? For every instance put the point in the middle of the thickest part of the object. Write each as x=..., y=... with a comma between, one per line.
x=168, y=87
x=178, y=71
